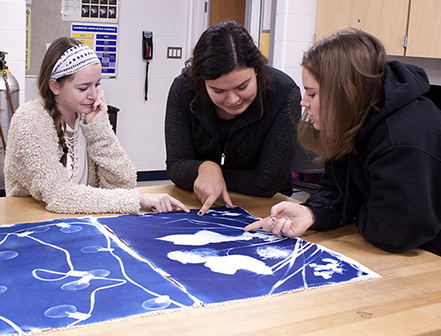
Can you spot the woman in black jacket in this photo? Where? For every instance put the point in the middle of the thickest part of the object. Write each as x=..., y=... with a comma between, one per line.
x=380, y=140
x=231, y=120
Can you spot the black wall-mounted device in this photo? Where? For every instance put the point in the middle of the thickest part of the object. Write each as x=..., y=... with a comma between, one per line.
x=147, y=45
x=147, y=54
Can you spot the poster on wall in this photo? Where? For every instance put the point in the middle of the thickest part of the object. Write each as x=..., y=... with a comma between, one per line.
x=105, y=11
x=103, y=39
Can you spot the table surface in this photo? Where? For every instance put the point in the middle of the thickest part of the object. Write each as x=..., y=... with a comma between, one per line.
x=406, y=300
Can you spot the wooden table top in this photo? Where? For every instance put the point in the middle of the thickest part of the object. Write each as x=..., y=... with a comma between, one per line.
x=406, y=300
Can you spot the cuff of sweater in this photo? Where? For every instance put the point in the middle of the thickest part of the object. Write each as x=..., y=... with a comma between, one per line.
x=133, y=204
x=97, y=128
x=318, y=215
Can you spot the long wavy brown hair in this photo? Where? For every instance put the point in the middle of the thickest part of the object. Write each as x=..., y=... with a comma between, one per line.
x=53, y=54
x=349, y=67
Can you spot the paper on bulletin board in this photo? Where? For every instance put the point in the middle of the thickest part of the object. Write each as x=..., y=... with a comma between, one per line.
x=103, y=39
x=104, y=11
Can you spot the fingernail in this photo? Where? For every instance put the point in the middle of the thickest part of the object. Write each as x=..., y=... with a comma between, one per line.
x=273, y=219
x=200, y=213
x=285, y=217
x=290, y=218
x=271, y=214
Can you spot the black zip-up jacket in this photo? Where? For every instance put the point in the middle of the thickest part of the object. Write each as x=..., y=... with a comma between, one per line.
x=392, y=187
x=257, y=150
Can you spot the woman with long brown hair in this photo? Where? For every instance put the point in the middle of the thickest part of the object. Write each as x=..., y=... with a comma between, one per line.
x=61, y=147
x=380, y=140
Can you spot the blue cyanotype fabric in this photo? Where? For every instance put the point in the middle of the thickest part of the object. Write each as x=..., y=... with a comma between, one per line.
x=69, y=272
x=217, y=262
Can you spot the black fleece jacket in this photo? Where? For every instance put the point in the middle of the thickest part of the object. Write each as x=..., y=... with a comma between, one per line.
x=392, y=187
x=258, y=146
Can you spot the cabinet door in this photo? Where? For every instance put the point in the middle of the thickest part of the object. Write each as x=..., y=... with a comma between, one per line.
x=424, y=39
x=334, y=14
x=387, y=21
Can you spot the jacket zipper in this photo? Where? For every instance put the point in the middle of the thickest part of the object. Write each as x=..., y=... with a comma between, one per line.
x=222, y=162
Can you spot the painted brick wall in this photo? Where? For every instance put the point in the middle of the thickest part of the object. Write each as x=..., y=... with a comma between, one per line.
x=141, y=124
x=13, y=38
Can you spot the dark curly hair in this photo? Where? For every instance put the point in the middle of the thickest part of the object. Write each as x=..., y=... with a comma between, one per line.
x=221, y=49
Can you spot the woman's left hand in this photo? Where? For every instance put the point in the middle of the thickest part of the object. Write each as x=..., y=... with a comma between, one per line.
x=288, y=219
x=99, y=108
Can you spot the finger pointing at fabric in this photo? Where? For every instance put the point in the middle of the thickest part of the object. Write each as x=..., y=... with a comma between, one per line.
x=287, y=218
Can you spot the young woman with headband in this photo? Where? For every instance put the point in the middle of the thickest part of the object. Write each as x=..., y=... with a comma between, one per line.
x=62, y=149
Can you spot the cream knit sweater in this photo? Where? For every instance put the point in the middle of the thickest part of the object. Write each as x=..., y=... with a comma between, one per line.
x=32, y=166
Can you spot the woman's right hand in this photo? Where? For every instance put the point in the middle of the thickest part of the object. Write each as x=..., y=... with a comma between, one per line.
x=209, y=185
x=161, y=202
x=99, y=108
x=288, y=219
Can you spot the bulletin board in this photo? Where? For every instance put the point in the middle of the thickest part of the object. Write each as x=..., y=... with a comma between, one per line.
x=45, y=26
x=50, y=19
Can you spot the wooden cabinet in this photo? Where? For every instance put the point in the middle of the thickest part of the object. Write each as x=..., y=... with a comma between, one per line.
x=392, y=21
x=334, y=14
x=424, y=36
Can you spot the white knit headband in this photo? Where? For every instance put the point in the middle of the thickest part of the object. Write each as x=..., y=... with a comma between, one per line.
x=73, y=60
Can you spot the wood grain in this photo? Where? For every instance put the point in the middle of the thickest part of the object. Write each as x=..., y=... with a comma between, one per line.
x=406, y=300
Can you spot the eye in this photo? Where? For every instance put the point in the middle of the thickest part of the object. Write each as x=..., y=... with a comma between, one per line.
x=241, y=88
x=311, y=95
x=218, y=91
x=82, y=89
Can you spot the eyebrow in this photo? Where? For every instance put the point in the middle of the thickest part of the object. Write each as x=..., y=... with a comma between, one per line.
x=88, y=83
x=243, y=83
x=309, y=88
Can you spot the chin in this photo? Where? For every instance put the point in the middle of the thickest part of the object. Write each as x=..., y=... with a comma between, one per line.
x=237, y=112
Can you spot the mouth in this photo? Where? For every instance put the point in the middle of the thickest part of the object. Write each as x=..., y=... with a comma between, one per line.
x=235, y=107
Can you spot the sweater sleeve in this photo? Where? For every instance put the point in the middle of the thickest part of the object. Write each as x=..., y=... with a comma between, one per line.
x=276, y=157
x=32, y=167
x=182, y=165
x=327, y=204
x=111, y=162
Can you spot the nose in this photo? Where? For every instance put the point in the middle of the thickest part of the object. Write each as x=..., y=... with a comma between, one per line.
x=232, y=98
x=304, y=102
x=93, y=93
